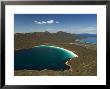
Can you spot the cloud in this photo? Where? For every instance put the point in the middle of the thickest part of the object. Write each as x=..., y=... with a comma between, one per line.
x=43, y=22
x=50, y=21
x=35, y=21
x=57, y=22
x=90, y=30
x=39, y=23
x=80, y=29
x=46, y=22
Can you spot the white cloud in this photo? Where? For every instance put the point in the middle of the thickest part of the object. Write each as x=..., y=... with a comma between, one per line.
x=35, y=21
x=90, y=30
x=39, y=23
x=46, y=22
x=80, y=29
x=57, y=22
x=50, y=21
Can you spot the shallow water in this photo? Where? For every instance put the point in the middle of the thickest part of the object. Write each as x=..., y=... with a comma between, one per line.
x=42, y=57
x=92, y=40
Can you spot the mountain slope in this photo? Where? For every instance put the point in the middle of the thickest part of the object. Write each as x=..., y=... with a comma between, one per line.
x=27, y=40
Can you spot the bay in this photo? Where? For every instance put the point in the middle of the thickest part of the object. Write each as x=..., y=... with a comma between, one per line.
x=92, y=40
x=42, y=57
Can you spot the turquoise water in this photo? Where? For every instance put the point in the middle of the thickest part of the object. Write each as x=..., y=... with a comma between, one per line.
x=43, y=57
x=92, y=40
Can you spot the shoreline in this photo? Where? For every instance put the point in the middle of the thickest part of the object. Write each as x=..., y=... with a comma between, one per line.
x=68, y=65
x=74, y=43
x=42, y=72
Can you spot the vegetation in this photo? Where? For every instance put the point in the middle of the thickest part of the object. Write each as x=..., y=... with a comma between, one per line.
x=28, y=40
x=84, y=65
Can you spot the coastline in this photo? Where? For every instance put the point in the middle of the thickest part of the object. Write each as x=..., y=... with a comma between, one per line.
x=80, y=50
x=68, y=65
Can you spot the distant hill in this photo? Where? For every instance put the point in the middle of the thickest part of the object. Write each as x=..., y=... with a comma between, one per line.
x=87, y=35
x=84, y=35
x=27, y=40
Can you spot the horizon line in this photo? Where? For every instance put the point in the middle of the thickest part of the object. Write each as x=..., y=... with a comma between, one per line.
x=54, y=32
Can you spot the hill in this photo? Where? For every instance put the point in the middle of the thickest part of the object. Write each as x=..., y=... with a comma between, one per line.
x=84, y=35
x=84, y=65
x=27, y=40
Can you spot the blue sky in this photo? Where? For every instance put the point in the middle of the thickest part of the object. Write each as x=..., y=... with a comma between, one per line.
x=71, y=23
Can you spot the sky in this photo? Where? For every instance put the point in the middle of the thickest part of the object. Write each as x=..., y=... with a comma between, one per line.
x=71, y=23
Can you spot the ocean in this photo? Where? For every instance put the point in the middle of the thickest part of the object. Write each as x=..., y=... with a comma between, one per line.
x=42, y=57
x=92, y=40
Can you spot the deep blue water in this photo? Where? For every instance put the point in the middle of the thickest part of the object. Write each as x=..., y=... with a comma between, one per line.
x=92, y=40
x=42, y=57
